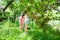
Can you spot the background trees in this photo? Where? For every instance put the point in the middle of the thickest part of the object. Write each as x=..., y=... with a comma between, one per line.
x=43, y=14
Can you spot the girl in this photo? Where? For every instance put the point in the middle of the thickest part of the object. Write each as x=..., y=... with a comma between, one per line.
x=23, y=20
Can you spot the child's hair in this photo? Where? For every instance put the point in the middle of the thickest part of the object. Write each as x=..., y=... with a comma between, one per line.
x=25, y=12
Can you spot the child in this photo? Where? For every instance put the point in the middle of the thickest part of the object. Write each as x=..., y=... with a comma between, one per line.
x=23, y=20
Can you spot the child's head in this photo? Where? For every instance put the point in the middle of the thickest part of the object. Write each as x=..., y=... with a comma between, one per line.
x=25, y=13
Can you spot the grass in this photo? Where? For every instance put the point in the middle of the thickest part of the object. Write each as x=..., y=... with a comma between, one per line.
x=9, y=31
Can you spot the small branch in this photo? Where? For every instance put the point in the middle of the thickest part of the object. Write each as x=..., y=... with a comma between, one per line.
x=10, y=2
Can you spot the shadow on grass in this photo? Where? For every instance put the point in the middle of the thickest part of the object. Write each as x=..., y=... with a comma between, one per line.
x=49, y=34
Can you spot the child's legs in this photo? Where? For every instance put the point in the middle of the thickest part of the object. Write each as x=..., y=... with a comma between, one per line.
x=26, y=26
x=20, y=27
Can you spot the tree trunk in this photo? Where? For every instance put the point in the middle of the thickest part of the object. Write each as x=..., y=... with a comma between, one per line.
x=10, y=2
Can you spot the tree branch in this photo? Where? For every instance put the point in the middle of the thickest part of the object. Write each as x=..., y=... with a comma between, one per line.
x=10, y=2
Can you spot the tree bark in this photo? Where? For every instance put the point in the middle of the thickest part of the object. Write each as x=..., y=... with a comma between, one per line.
x=10, y=2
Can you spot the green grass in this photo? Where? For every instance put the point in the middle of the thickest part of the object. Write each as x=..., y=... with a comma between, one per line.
x=10, y=31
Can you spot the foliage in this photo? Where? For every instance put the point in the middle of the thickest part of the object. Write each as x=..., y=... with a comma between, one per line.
x=8, y=31
x=40, y=13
